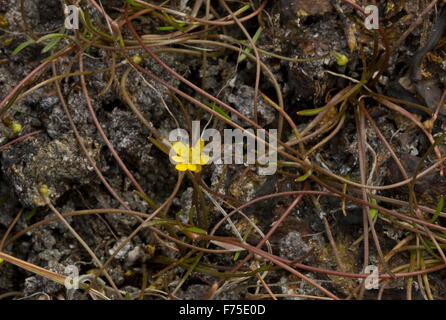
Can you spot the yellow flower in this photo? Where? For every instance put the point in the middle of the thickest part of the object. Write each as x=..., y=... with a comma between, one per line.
x=16, y=128
x=188, y=158
x=341, y=58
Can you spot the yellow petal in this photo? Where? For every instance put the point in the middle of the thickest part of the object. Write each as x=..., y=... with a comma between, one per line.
x=199, y=145
x=176, y=146
x=181, y=167
x=194, y=167
x=180, y=148
x=195, y=157
x=204, y=159
x=179, y=159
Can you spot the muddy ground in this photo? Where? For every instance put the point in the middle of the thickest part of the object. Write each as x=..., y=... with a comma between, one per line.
x=52, y=157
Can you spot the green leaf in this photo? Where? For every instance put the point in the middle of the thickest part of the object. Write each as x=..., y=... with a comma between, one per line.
x=254, y=40
x=248, y=232
x=135, y=4
x=169, y=28
x=50, y=45
x=305, y=176
x=196, y=230
x=22, y=46
x=373, y=211
x=87, y=19
x=52, y=36
x=147, y=199
x=173, y=23
x=219, y=110
x=161, y=221
x=54, y=41
x=440, y=205
x=310, y=112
